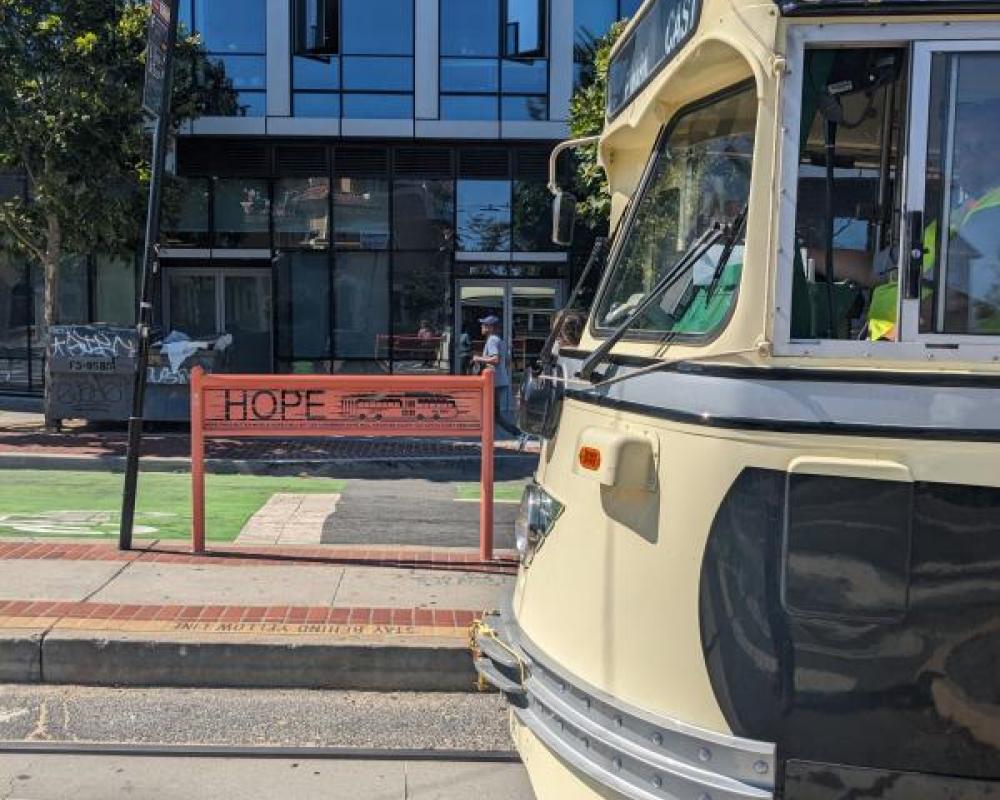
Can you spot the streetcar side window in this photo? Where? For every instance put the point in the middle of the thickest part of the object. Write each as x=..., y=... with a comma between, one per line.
x=960, y=272
x=849, y=191
x=699, y=177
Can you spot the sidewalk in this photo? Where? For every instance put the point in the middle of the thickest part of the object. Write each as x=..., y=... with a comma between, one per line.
x=347, y=617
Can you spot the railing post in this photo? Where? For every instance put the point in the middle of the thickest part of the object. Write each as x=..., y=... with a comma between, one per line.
x=486, y=473
x=197, y=464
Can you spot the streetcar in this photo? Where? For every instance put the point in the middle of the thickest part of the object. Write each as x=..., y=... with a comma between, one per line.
x=761, y=553
x=399, y=406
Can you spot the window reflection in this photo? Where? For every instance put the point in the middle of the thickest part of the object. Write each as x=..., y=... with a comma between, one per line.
x=312, y=73
x=484, y=215
x=385, y=74
x=467, y=30
x=234, y=37
x=316, y=104
x=303, y=306
x=469, y=75
x=376, y=27
x=301, y=213
x=532, y=216
x=242, y=213
x=524, y=28
x=524, y=108
x=361, y=213
x=421, y=307
x=361, y=284
x=231, y=26
x=423, y=209
x=185, y=215
x=525, y=76
x=378, y=106
x=961, y=270
x=469, y=107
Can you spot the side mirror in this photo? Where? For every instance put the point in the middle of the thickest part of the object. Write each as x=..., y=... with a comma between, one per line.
x=563, y=218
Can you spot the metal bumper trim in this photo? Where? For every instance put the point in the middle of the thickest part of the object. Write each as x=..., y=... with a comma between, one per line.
x=637, y=754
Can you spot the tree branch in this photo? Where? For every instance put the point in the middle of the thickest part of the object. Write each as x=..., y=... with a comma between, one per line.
x=32, y=247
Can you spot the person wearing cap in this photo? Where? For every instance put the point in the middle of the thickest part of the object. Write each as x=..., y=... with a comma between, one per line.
x=496, y=355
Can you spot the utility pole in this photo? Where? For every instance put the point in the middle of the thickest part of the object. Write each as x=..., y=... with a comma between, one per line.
x=156, y=100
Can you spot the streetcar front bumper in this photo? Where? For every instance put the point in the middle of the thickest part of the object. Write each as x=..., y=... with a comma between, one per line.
x=633, y=753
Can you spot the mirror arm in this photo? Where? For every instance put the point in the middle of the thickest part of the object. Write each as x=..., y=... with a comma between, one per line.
x=558, y=150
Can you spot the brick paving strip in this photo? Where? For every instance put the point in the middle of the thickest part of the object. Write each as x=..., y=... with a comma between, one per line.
x=84, y=443
x=245, y=620
x=444, y=559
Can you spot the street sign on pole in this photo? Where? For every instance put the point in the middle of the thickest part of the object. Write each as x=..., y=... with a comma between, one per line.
x=156, y=100
x=158, y=49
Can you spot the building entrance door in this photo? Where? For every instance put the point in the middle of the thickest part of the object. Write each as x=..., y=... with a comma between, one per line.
x=206, y=302
x=525, y=309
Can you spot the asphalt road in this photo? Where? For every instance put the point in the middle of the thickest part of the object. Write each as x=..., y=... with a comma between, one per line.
x=413, y=512
x=463, y=721
x=259, y=718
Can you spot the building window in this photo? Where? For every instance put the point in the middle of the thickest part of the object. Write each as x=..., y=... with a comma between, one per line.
x=421, y=312
x=361, y=213
x=302, y=213
x=316, y=27
x=242, y=213
x=524, y=28
x=114, y=290
x=234, y=36
x=466, y=30
x=73, y=291
x=371, y=77
x=483, y=216
x=185, y=215
x=302, y=311
x=532, y=216
x=487, y=72
x=361, y=288
x=423, y=214
x=378, y=27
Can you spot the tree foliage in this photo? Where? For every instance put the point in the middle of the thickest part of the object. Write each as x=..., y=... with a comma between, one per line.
x=586, y=118
x=71, y=123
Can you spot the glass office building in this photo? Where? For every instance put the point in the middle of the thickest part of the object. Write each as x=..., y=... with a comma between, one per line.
x=377, y=186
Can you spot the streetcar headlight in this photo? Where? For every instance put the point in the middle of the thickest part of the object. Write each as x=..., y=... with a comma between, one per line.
x=535, y=517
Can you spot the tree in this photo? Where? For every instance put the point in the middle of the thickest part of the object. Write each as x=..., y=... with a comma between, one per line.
x=71, y=123
x=586, y=118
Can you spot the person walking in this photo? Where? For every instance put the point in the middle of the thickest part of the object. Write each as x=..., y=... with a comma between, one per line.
x=496, y=355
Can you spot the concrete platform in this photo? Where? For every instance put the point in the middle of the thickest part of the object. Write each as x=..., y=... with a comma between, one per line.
x=331, y=618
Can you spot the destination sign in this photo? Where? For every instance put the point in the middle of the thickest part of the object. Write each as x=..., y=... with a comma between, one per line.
x=662, y=30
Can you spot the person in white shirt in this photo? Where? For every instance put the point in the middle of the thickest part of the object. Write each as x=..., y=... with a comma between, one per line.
x=496, y=355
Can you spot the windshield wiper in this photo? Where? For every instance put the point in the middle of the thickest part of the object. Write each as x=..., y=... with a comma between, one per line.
x=692, y=255
x=735, y=231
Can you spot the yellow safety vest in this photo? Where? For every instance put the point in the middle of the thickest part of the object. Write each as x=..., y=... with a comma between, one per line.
x=882, y=309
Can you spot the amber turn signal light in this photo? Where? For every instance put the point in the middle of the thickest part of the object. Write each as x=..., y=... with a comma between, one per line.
x=590, y=458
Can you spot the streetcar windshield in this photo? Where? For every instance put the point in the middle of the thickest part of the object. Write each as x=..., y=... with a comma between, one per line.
x=700, y=177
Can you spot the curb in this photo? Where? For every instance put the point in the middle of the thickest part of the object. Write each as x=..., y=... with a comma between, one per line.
x=119, y=659
x=506, y=466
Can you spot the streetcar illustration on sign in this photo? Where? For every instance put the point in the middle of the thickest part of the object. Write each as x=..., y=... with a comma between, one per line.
x=389, y=406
